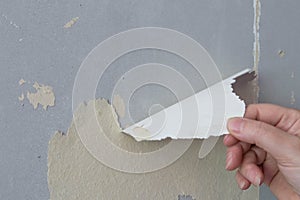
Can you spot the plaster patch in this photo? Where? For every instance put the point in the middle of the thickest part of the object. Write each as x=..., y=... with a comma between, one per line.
x=71, y=22
x=73, y=173
x=44, y=95
x=119, y=105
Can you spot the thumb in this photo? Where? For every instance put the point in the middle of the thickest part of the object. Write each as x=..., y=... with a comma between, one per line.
x=281, y=145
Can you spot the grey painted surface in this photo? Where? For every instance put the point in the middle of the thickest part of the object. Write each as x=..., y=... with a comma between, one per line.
x=35, y=46
x=279, y=76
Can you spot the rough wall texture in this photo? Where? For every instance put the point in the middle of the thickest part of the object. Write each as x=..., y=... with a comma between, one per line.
x=36, y=46
x=75, y=174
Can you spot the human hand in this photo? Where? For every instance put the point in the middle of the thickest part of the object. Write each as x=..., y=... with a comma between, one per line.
x=265, y=148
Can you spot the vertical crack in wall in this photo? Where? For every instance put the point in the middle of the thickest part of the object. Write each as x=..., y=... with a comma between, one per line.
x=256, y=46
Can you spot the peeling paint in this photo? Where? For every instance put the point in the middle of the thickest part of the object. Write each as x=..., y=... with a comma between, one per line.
x=44, y=95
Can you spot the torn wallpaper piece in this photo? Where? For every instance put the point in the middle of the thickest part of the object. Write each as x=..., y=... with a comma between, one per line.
x=199, y=116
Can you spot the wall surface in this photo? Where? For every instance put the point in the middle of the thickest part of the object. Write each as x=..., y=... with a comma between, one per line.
x=279, y=73
x=34, y=45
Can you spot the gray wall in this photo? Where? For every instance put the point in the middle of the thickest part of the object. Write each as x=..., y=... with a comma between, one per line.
x=279, y=76
x=35, y=46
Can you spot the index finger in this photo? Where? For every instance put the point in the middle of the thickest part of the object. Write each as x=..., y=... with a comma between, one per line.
x=275, y=115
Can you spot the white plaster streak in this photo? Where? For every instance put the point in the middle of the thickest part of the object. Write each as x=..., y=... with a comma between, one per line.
x=256, y=45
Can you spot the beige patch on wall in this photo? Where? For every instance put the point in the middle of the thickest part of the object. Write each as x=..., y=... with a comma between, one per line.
x=73, y=173
x=44, y=95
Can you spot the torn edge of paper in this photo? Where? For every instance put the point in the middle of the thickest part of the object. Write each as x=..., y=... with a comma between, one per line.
x=44, y=95
x=198, y=124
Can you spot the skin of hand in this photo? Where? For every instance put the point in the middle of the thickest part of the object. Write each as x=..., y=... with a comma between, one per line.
x=264, y=146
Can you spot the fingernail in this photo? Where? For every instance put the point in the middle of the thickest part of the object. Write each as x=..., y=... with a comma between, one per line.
x=228, y=160
x=257, y=181
x=234, y=125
